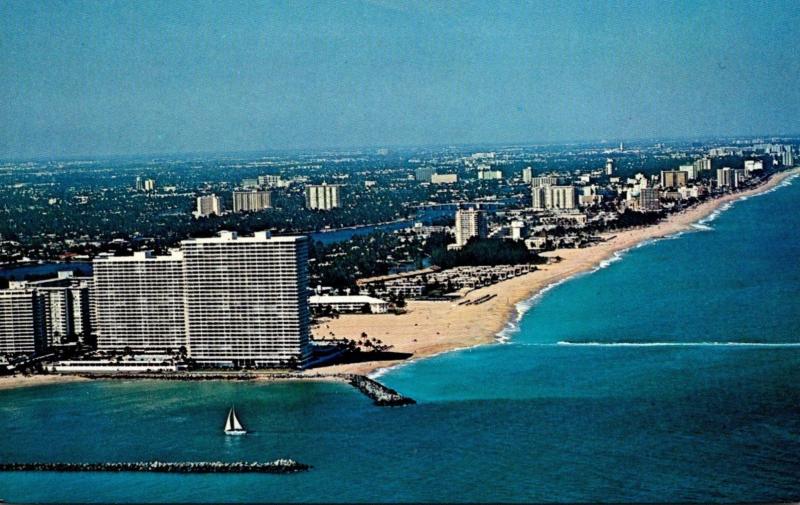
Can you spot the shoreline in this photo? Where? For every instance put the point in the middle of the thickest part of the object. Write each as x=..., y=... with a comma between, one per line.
x=431, y=328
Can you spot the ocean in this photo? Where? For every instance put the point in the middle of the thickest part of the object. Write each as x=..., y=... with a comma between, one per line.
x=668, y=374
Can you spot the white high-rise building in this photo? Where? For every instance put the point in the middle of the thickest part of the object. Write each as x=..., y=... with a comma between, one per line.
x=249, y=201
x=22, y=320
x=787, y=156
x=527, y=175
x=208, y=205
x=691, y=171
x=751, y=166
x=247, y=299
x=229, y=300
x=610, y=166
x=554, y=197
x=470, y=223
x=323, y=196
x=149, y=185
x=139, y=302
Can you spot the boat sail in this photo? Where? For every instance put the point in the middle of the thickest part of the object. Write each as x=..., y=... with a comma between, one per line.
x=232, y=424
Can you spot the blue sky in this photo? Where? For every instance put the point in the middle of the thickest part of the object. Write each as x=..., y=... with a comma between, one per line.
x=117, y=77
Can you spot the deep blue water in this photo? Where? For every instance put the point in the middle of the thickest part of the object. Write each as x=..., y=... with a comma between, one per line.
x=573, y=407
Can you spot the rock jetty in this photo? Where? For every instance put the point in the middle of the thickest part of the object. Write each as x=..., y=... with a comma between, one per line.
x=381, y=395
x=277, y=466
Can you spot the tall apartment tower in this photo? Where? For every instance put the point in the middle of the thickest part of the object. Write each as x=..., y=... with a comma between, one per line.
x=527, y=175
x=139, y=184
x=648, y=200
x=470, y=223
x=22, y=320
x=249, y=201
x=702, y=164
x=674, y=178
x=554, y=197
x=787, y=156
x=323, y=196
x=208, y=205
x=149, y=185
x=610, y=166
x=139, y=302
x=246, y=299
x=229, y=300
x=67, y=308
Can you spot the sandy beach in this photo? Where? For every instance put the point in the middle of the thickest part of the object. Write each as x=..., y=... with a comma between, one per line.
x=18, y=381
x=430, y=328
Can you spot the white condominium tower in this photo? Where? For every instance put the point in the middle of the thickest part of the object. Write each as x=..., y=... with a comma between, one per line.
x=248, y=201
x=229, y=300
x=207, y=205
x=139, y=302
x=469, y=223
x=554, y=197
x=22, y=320
x=246, y=299
x=323, y=196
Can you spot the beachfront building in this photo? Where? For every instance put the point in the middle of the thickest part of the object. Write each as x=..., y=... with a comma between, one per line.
x=229, y=300
x=323, y=196
x=139, y=302
x=349, y=304
x=208, y=205
x=470, y=223
x=674, y=178
x=649, y=200
x=246, y=299
x=728, y=177
x=751, y=166
x=22, y=320
x=250, y=201
x=67, y=308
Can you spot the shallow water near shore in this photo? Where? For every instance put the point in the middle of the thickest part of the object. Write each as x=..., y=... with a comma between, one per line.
x=670, y=375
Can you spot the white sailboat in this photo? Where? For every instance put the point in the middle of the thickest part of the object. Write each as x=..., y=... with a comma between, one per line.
x=232, y=424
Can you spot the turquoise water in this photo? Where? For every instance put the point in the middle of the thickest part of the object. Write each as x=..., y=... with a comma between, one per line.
x=670, y=375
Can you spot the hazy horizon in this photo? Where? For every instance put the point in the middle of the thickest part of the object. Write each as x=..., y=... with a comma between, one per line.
x=125, y=78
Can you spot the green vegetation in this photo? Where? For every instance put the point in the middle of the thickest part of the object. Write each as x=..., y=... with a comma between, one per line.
x=485, y=252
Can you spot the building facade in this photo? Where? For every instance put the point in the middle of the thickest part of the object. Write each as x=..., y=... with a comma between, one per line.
x=22, y=320
x=674, y=178
x=251, y=201
x=470, y=223
x=208, y=205
x=323, y=196
x=246, y=299
x=139, y=302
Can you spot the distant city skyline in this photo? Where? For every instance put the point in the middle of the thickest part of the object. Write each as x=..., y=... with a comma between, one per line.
x=125, y=78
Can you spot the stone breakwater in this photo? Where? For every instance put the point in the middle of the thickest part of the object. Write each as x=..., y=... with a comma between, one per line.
x=277, y=466
x=381, y=395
